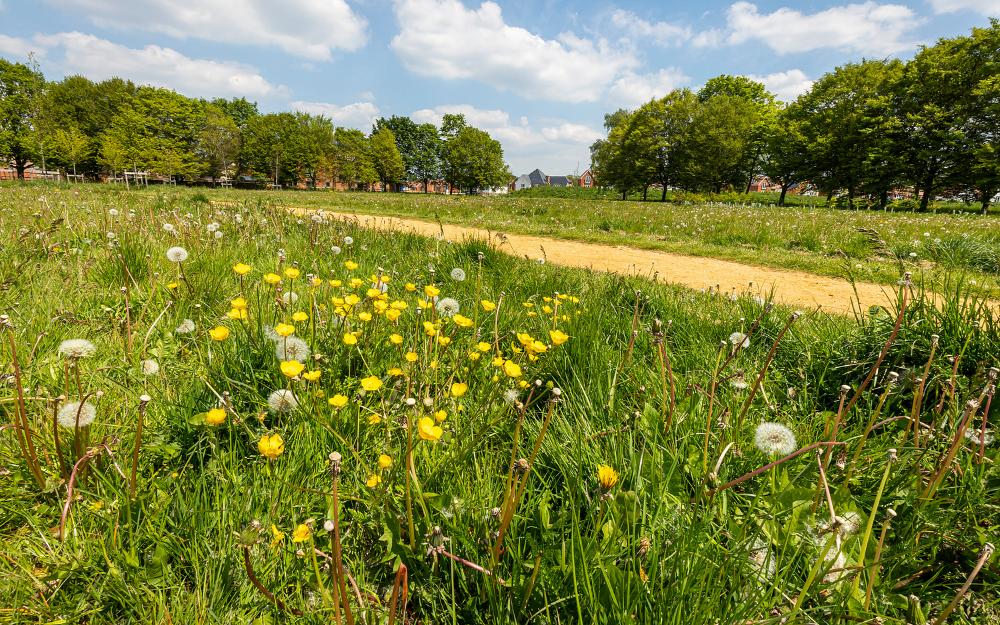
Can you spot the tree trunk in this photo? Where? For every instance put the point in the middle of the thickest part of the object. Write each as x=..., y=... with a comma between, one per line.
x=19, y=165
x=986, y=200
x=624, y=194
x=784, y=190
x=644, y=190
x=74, y=170
x=883, y=200
x=663, y=197
x=924, y=199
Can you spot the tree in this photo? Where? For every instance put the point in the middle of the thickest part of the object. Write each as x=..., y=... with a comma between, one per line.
x=352, y=157
x=385, y=157
x=786, y=151
x=718, y=143
x=17, y=88
x=127, y=141
x=425, y=161
x=219, y=142
x=271, y=145
x=474, y=161
x=315, y=148
x=72, y=145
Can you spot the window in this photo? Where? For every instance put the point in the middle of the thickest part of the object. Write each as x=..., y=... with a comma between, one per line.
x=587, y=179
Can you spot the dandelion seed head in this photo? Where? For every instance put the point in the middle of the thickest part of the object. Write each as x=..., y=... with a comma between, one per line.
x=447, y=307
x=67, y=415
x=149, y=367
x=978, y=437
x=348, y=241
x=291, y=348
x=336, y=250
x=177, y=254
x=168, y=227
x=774, y=439
x=511, y=396
x=458, y=274
x=761, y=558
x=290, y=298
x=739, y=339
x=77, y=348
x=186, y=327
x=282, y=400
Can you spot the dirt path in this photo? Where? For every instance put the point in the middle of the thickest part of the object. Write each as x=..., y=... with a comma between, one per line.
x=795, y=288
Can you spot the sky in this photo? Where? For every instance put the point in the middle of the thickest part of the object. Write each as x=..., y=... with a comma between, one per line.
x=538, y=75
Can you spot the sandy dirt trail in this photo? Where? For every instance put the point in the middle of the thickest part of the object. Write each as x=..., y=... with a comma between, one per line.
x=795, y=288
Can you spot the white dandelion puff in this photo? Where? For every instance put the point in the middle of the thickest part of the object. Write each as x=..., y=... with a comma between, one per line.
x=739, y=383
x=75, y=413
x=177, y=254
x=447, y=307
x=336, y=250
x=511, y=396
x=113, y=212
x=774, y=439
x=218, y=234
x=348, y=241
x=738, y=339
x=186, y=327
x=458, y=274
x=77, y=348
x=291, y=348
x=290, y=298
x=149, y=367
x=979, y=437
x=168, y=227
x=282, y=400
x=839, y=561
x=762, y=559
x=112, y=235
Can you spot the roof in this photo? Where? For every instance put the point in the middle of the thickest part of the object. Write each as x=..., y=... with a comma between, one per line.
x=559, y=181
x=537, y=177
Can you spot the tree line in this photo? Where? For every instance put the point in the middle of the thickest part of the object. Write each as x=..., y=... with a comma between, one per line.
x=930, y=124
x=98, y=129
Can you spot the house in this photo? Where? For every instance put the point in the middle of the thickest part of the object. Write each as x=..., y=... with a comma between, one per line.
x=761, y=185
x=586, y=180
x=538, y=179
x=558, y=181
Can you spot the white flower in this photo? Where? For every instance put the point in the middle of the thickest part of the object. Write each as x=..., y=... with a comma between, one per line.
x=458, y=275
x=335, y=249
x=75, y=413
x=282, y=400
x=977, y=437
x=316, y=219
x=168, y=227
x=177, y=254
x=739, y=339
x=113, y=212
x=218, y=234
x=291, y=348
x=348, y=241
x=112, y=235
x=290, y=298
x=77, y=348
x=149, y=367
x=541, y=260
x=739, y=383
x=447, y=307
x=511, y=396
x=774, y=439
x=211, y=227
x=187, y=326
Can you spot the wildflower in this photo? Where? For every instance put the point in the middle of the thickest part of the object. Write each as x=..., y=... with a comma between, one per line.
x=429, y=328
x=291, y=368
x=177, y=254
x=558, y=337
x=511, y=368
x=440, y=416
x=336, y=250
x=301, y=534
x=374, y=419
x=272, y=278
x=149, y=367
x=215, y=416
x=979, y=437
x=738, y=339
x=458, y=389
x=241, y=269
x=483, y=347
x=411, y=357
x=739, y=383
x=186, y=327
x=488, y=305
x=462, y=322
x=432, y=291
x=365, y=316
x=278, y=536
x=168, y=227
x=284, y=329
x=291, y=348
x=384, y=461
x=371, y=383
x=373, y=481
x=411, y=287
x=395, y=371
x=396, y=339
x=351, y=265
x=444, y=340
x=282, y=400
x=239, y=303
x=219, y=333
x=290, y=298
x=75, y=413
x=348, y=241
x=271, y=446
x=427, y=430
x=458, y=275
x=510, y=396
x=77, y=348
x=312, y=376
x=292, y=273
x=774, y=439
x=447, y=307
x=607, y=477
x=300, y=316
x=350, y=339
x=173, y=285
x=338, y=401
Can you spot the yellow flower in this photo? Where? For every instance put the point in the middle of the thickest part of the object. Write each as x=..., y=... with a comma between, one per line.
x=558, y=337
x=399, y=305
x=392, y=315
x=488, y=305
x=474, y=355
x=351, y=265
x=429, y=328
x=219, y=333
x=312, y=376
x=173, y=285
x=237, y=314
x=241, y=269
x=537, y=347
x=527, y=304
x=350, y=339
x=292, y=272
x=278, y=536
x=411, y=357
x=462, y=322
x=351, y=299
x=356, y=282
x=300, y=316
x=301, y=534
x=607, y=477
x=271, y=446
x=547, y=309
x=371, y=383
x=432, y=291
x=563, y=296
x=395, y=371
x=411, y=287
x=498, y=361
x=338, y=401
x=215, y=416
x=458, y=389
x=373, y=481
x=284, y=329
x=532, y=314
x=380, y=306
x=444, y=340
x=484, y=347
x=427, y=430
x=365, y=316
x=523, y=384
x=384, y=461
x=524, y=339
x=546, y=299
x=335, y=283
x=433, y=364
x=374, y=419
x=512, y=369
x=396, y=339
x=272, y=278
x=440, y=416
x=239, y=303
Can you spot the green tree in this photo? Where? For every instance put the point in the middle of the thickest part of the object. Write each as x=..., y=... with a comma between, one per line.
x=353, y=161
x=786, y=151
x=219, y=142
x=271, y=145
x=385, y=157
x=315, y=149
x=128, y=141
x=425, y=160
x=718, y=144
x=474, y=161
x=17, y=105
x=72, y=145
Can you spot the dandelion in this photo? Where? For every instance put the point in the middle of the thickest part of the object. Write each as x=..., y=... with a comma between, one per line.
x=739, y=383
x=215, y=416
x=282, y=400
x=335, y=250
x=291, y=348
x=372, y=383
x=177, y=254
x=301, y=534
x=458, y=275
x=447, y=307
x=77, y=348
x=607, y=477
x=76, y=413
x=384, y=461
x=149, y=367
x=186, y=327
x=774, y=439
x=740, y=340
x=291, y=368
x=979, y=437
x=511, y=396
x=168, y=227
x=290, y=298
x=761, y=559
x=348, y=241
x=427, y=430
x=219, y=333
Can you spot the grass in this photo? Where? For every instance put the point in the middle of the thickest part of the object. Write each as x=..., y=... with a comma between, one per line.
x=674, y=537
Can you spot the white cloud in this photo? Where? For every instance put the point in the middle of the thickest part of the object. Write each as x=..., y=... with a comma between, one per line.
x=661, y=33
x=868, y=28
x=983, y=7
x=572, y=133
x=785, y=85
x=633, y=89
x=358, y=115
x=442, y=38
x=16, y=47
x=162, y=67
x=710, y=38
x=367, y=95
x=310, y=29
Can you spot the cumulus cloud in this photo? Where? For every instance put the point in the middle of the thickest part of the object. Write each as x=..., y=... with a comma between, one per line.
x=98, y=59
x=444, y=39
x=634, y=89
x=785, y=85
x=519, y=135
x=16, y=47
x=311, y=29
x=983, y=7
x=662, y=33
x=358, y=115
x=868, y=28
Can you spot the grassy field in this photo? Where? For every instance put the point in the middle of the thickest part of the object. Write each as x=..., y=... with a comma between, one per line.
x=537, y=445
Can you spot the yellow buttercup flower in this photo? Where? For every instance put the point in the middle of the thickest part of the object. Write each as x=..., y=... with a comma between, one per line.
x=381, y=305
x=300, y=316
x=371, y=383
x=498, y=361
x=215, y=416
x=284, y=329
x=219, y=333
x=395, y=371
x=462, y=322
x=527, y=304
x=350, y=339
x=365, y=316
x=411, y=287
x=241, y=269
x=488, y=305
x=432, y=291
x=271, y=446
x=351, y=265
x=173, y=285
x=356, y=282
x=278, y=536
x=427, y=430
x=373, y=481
x=474, y=355
x=433, y=364
x=351, y=299
x=292, y=272
x=392, y=315
x=512, y=369
x=532, y=314
x=483, y=347
x=444, y=340
x=396, y=339
x=338, y=401
x=312, y=376
x=558, y=337
x=374, y=419
x=546, y=299
x=607, y=477
x=384, y=461
x=411, y=357
x=458, y=389
x=272, y=278
x=440, y=416
x=399, y=305
x=373, y=293
x=237, y=313
x=429, y=328
x=547, y=309
x=335, y=283
x=239, y=303
x=301, y=534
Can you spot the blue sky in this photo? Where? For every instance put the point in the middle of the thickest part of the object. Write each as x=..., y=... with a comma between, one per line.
x=537, y=74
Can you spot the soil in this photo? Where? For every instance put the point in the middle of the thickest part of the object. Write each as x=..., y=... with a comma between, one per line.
x=794, y=288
